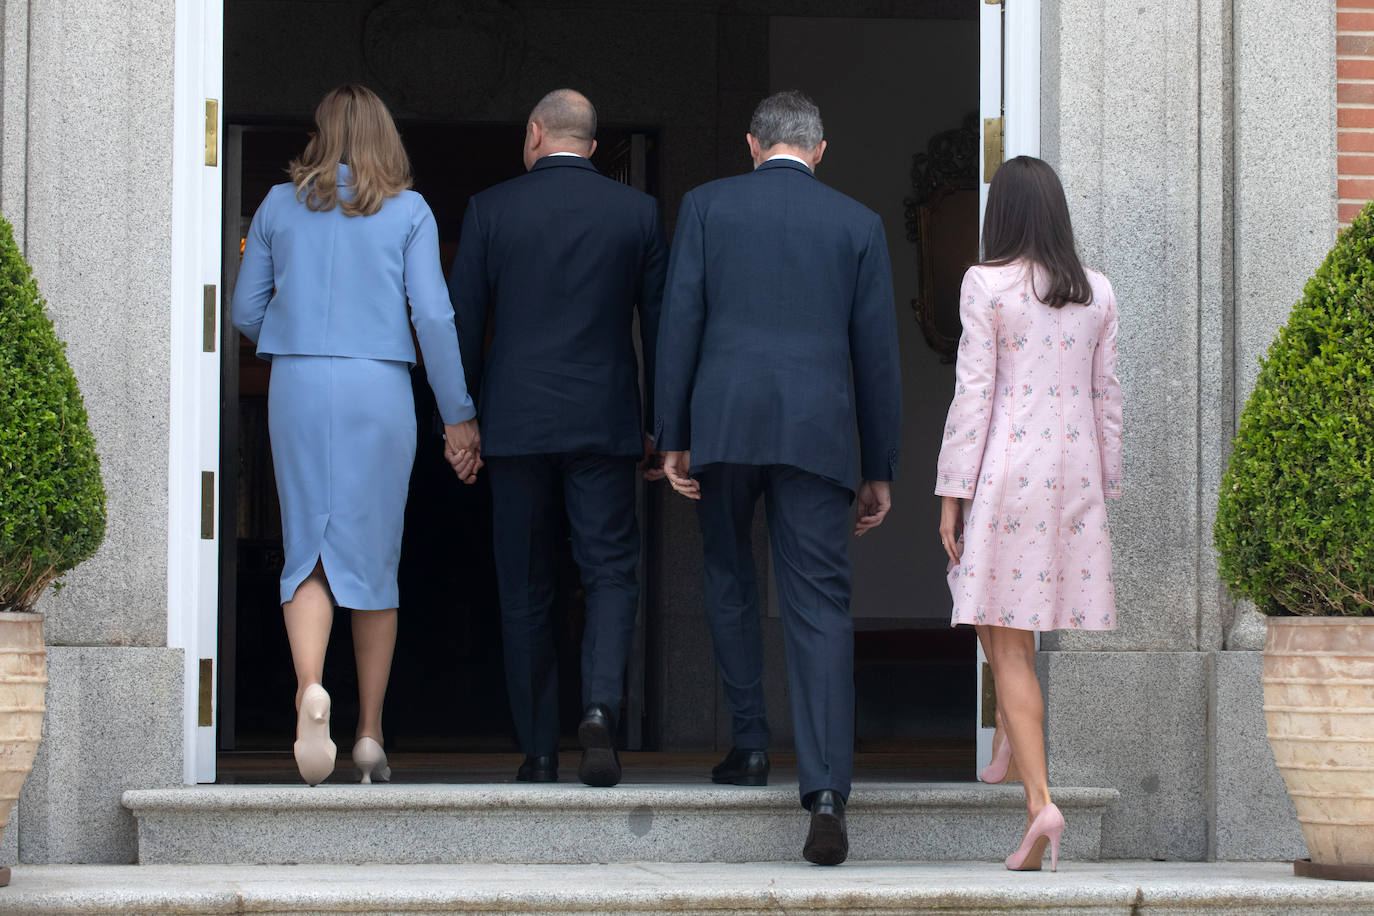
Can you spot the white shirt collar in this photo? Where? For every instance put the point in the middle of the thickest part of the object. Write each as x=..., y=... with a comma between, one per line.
x=790, y=156
x=574, y=155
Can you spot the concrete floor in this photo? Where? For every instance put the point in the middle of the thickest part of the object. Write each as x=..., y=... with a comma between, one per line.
x=1217, y=889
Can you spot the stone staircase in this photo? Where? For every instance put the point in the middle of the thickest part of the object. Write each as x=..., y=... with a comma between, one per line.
x=572, y=824
x=685, y=889
x=692, y=849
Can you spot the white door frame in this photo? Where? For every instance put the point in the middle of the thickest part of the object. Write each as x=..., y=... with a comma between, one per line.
x=1010, y=58
x=1009, y=88
x=192, y=557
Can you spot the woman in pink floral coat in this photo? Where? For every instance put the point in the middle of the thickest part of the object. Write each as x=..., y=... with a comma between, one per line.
x=1032, y=451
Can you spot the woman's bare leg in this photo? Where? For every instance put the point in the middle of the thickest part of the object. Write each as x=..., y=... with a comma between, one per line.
x=1012, y=657
x=374, y=643
x=1000, y=735
x=309, y=617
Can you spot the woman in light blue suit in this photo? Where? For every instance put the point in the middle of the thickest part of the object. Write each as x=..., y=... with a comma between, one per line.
x=330, y=261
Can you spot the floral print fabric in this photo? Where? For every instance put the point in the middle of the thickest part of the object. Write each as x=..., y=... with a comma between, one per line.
x=1033, y=445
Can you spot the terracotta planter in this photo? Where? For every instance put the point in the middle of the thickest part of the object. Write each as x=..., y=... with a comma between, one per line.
x=23, y=685
x=1319, y=707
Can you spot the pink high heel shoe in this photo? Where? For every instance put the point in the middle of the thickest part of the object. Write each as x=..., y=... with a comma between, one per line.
x=1048, y=827
x=1003, y=767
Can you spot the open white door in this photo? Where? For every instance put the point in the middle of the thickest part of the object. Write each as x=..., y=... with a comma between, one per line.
x=1009, y=107
x=196, y=316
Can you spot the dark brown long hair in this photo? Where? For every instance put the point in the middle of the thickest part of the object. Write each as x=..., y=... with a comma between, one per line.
x=352, y=126
x=1028, y=219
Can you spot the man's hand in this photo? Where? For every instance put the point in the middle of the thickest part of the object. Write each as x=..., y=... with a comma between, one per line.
x=875, y=498
x=677, y=466
x=463, y=449
x=951, y=522
x=652, y=464
x=464, y=464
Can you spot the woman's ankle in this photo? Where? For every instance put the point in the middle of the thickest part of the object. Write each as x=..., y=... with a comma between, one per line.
x=301, y=688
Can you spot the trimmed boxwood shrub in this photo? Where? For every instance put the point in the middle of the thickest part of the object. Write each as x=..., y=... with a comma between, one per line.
x=52, y=500
x=1295, y=524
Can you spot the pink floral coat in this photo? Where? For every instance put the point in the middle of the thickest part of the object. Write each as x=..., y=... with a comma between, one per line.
x=1033, y=444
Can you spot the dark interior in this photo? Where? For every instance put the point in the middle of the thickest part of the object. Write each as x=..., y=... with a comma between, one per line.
x=446, y=707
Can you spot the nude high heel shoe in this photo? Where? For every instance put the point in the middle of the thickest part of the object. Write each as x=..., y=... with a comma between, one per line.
x=314, y=751
x=1048, y=827
x=1002, y=768
x=370, y=760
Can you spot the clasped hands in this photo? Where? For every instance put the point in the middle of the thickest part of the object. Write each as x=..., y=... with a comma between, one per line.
x=873, y=502
x=463, y=449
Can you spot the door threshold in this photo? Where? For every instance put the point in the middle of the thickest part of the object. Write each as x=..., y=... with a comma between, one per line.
x=928, y=761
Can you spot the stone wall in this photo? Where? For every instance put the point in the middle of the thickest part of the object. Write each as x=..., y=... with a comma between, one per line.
x=1171, y=123
x=87, y=180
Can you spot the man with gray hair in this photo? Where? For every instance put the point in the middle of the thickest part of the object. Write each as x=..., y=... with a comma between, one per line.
x=779, y=291
x=557, y=262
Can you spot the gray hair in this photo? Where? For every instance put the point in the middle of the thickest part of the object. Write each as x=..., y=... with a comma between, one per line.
x=566, y=114
x=787, y=117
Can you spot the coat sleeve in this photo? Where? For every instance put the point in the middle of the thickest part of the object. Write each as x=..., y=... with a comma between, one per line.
x=680, y=331
x=970, y=413
x=1107, y=402
x=432, y=315
x=876, y=361
x=256, y=279
x=650, y=306
x=471, y=295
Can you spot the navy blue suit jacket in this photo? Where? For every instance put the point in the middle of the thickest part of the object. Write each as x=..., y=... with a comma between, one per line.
x=558, y=259
x=777, y=286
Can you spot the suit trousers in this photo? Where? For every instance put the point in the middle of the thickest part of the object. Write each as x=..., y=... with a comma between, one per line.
x=599, y=494
x=808, y=524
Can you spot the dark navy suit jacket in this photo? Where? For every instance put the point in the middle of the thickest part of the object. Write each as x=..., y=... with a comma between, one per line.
x=777, y=286
x=559, y=258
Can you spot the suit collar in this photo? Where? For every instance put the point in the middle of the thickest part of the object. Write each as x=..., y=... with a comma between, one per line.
x=553, y=162
x=785, y=164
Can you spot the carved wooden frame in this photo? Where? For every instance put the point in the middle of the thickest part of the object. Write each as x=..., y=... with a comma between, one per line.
x=949, y=164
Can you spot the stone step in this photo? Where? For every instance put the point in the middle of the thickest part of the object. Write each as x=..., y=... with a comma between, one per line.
x=871, y=888
x=549, y=824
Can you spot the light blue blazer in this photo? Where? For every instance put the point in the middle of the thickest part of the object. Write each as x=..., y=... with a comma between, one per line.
x=326, y=284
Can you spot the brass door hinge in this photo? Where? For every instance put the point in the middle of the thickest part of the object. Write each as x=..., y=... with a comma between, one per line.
x=207, y=505
x=992, y=147
x=208, y=341
x=993, y=2
x=988, y=719
x=212, y=131
x=205, y=711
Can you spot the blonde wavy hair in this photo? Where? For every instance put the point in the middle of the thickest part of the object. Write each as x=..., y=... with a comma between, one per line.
x=353, y=127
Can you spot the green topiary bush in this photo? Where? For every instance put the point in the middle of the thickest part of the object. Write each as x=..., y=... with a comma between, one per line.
x=52, y=500
x=1295, y=524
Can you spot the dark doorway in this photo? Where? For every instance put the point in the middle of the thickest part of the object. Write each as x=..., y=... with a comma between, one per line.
x=460, y=77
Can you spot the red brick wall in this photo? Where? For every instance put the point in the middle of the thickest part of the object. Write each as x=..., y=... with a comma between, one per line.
x=1355, y=105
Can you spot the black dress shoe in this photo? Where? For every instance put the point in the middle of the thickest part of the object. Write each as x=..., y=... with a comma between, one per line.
x=828, y=841
x=742, y=768
x=600, y=764
x=538, y=769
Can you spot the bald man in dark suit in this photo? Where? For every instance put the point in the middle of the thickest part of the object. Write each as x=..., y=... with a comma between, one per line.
x=558, y=261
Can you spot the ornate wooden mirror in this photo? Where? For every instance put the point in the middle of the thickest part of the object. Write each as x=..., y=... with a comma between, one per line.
x=942, y=219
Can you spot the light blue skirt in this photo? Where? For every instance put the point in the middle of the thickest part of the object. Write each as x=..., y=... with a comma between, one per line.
x=343, y=444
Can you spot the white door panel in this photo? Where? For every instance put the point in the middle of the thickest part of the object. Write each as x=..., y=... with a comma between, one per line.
x=1009, y=89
